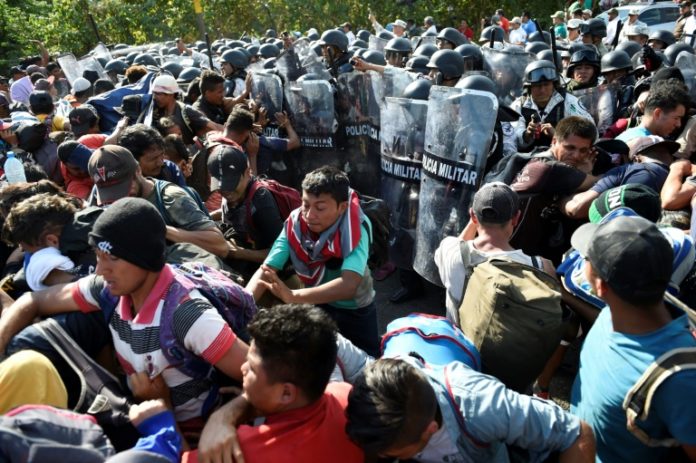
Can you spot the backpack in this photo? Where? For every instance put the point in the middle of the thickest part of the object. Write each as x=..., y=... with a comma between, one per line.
x=74, y=239
x=160, y=186
x=379, y=214
x=434, y=339
x=512, y=313
x=102, y=395
x=39, y=433
x=638, y=399
x=287, y=199
x=236, y=306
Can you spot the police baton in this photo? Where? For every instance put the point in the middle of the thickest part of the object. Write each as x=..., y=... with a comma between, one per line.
x=210, y=51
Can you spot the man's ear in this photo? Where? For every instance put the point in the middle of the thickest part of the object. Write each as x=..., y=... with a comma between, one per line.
x=342, y=207
x=52, y=240
x=288, y=394
x=429, y=431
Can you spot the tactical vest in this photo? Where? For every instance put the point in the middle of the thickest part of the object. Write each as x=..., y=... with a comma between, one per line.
x=553, y=118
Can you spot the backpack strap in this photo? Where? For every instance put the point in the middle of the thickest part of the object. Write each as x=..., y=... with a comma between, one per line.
x=255, y=185
x=88, y=371
x=465, y=252
x=638, y=399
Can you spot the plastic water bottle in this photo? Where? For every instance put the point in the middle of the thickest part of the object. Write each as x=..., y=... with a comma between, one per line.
x=14, y=169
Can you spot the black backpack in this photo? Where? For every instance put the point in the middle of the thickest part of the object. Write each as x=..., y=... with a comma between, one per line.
x=379, y=214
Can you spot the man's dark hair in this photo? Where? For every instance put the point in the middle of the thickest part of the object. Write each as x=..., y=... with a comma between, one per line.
x=578, y=126
x=15, y=192
x=135, y=73
x=50, y=67
x=526, y=14
x=390, y=406
x=667, y=95
x=103, y=85
x=175, y=149
x=500, y=12
x=85, y=93
x=210, y=80
x=327, y=179
x=140, y=137
x=193, y=92
x=34, y=217
x=297, y=344
x=36, y=76
x=240, y=119
x=34, y=173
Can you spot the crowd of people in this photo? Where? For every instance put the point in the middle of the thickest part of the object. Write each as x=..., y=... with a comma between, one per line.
x=190, y=252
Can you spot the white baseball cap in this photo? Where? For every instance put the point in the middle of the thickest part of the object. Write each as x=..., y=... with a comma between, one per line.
x=165, y=84
x=80, y=85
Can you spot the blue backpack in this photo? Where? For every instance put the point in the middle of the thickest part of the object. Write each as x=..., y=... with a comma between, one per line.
x=434, y=339
x=234, y=303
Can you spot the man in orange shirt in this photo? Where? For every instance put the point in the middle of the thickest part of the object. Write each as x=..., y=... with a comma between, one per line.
x=295, y=414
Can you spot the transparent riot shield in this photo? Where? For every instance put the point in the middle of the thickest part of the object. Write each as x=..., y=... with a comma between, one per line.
x=376, y=43
x=458, y=133
x=310, y=105
x=402, y=137
x=506, y=67
x=601, y=103
x=395, y=80
x=267, y=92
x=100, y=51
x=686, y=62
x=352, y=109
x=288, y=65
x=422, y=40
x=73, y=68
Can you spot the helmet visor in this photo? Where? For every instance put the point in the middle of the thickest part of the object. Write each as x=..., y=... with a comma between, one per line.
x=542, y=75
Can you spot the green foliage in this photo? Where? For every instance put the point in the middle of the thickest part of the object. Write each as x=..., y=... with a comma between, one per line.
x=64, y=25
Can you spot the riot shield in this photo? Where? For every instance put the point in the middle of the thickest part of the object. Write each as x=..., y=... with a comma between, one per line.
x=288, y=65
x=506, y=67
x=686, y=62
x=395, y=80
x=600, y=102
x=267, y=91
x=310, y=106
x=100, y=51
x=458, y=134
x=73, y=68
x=352, y=109
x=402, y=137
x=422, y=40
x=376, y=43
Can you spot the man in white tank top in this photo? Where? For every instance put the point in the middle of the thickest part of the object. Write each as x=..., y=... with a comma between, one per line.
x=493, y=217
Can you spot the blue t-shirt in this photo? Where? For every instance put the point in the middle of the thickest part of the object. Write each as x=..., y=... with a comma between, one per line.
x=635, y=132
x=356, y=262
x=610, y=364
x=652, y=174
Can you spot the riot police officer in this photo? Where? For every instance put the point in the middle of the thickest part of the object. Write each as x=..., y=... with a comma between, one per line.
x=583, y=70
x=446, y=67
x=334, y=49
x=450, y=38
x=616, y=68
x=542, y=105
x=397, y=51
x=234, y=63
x=593, y=31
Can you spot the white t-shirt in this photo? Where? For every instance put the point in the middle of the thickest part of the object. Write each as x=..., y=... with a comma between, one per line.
x=689, y=27
x=43, y=262
x=518, y=36
x=448, y=259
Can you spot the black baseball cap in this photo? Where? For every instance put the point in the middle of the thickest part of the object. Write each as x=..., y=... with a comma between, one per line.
x=112, y=168
x=226, y=166
x=630, y=255
x=82, y=118
x=495, y=202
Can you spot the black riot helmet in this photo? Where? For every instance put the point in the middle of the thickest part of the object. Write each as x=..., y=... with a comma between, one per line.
x=495, y=33
x=418, y=64
x=173, y=68
x=473, y=58
x=358, y=43
x=271, y=33
x=363, y=35
x=385, y=35
x=673, y=51
x=596, y=27
x=540, y=71
x=615, y=61
x=548, y=56
x=188, y=74
x=448, y=63
x=629, y=46
x=237, y=58
x=537, y=36
x=536, y=47
x=419, y=89
x=145, y=59
x=116, y=65
x=397, y=51
x=268, y=50
x=666, y=37
x=335, y=38
x=451, y=35
x=478, y=82
x=374, y=57
x=426, y=49
x=586, y=56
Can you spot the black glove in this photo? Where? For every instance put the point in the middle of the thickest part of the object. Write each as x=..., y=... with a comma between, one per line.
x=650, y=59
